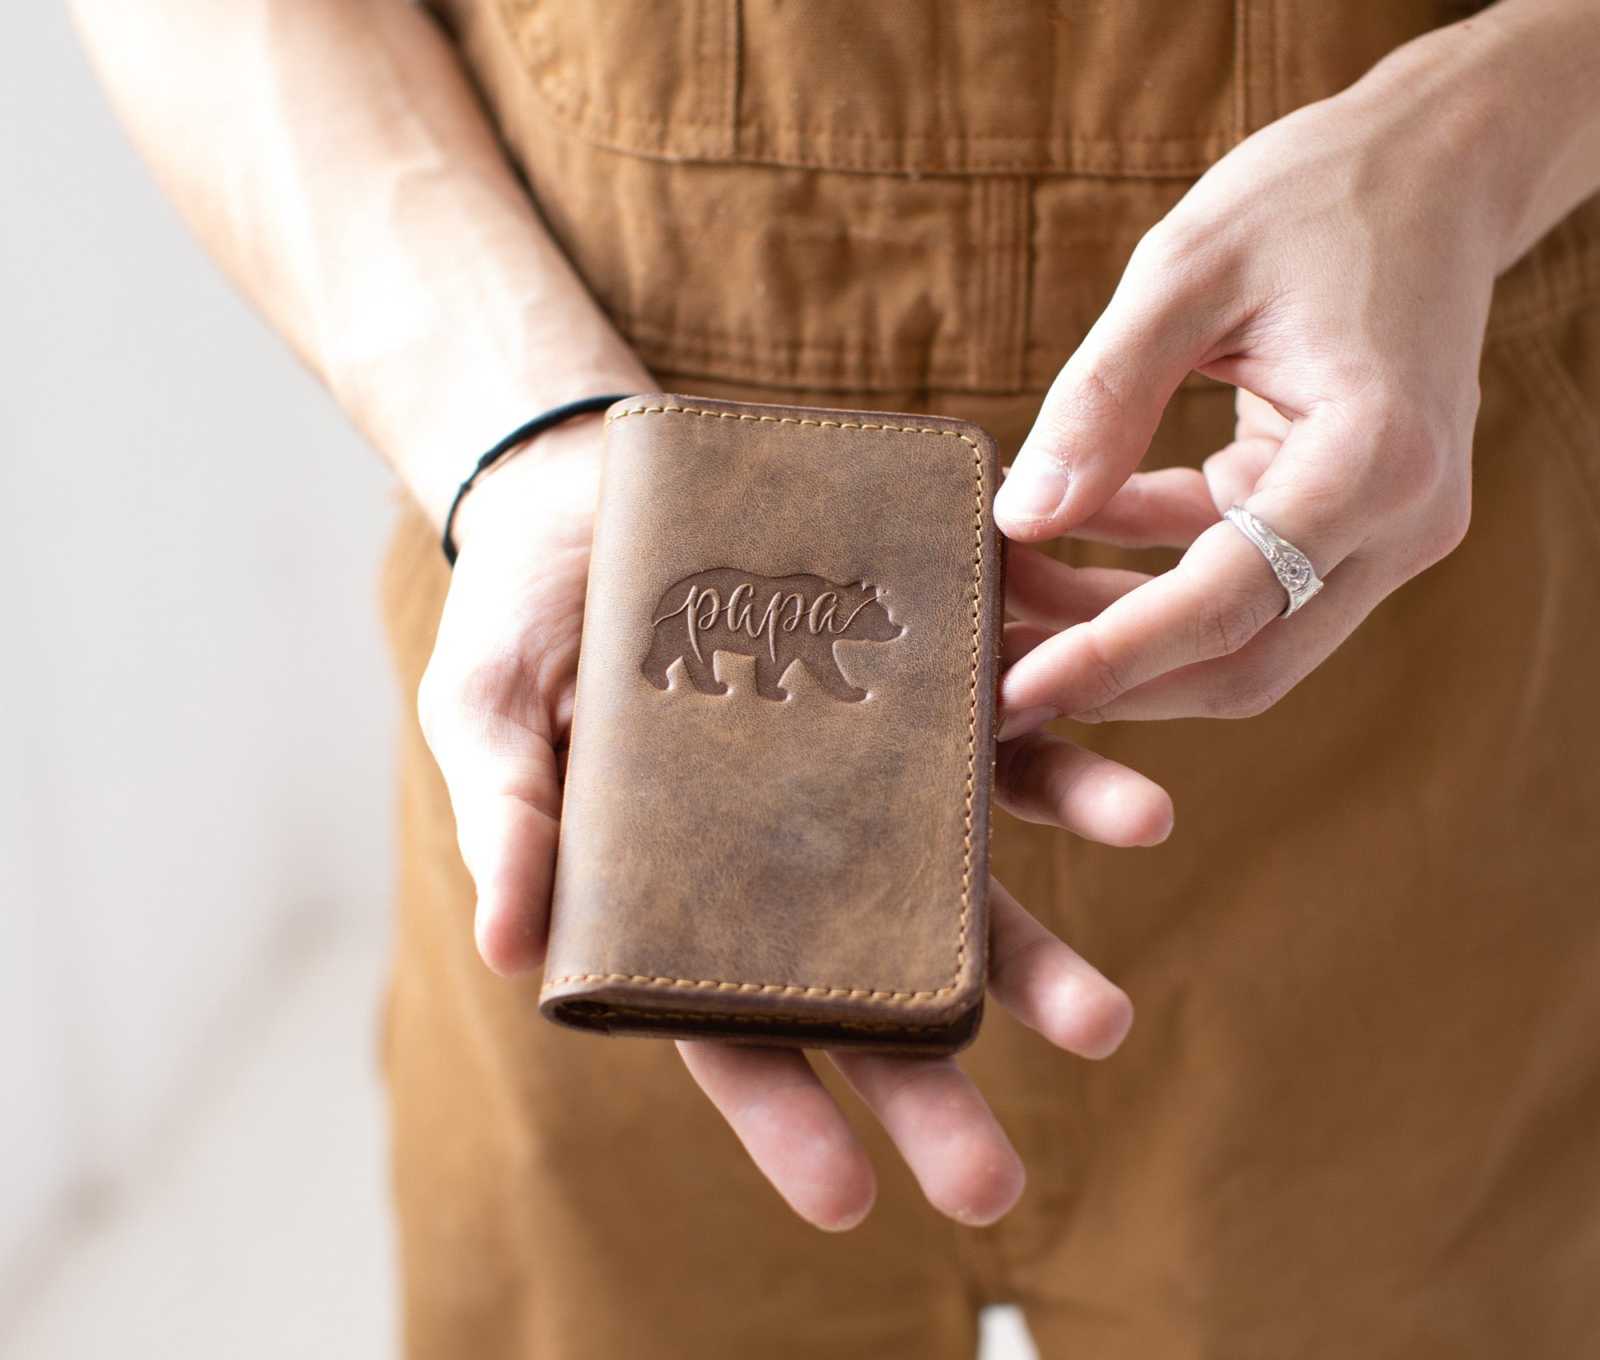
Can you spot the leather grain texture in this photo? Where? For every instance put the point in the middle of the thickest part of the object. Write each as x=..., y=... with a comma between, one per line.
x=776, y=816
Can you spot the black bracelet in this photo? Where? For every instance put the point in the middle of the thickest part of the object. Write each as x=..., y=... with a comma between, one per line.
x=538, y=425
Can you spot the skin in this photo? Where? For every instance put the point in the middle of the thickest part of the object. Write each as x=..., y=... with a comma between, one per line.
x=1336, y=267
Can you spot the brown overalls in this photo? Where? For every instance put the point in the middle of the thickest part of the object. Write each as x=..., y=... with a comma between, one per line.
x=1360, y=1112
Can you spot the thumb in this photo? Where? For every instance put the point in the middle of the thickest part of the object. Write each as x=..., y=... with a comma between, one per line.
x=1100, y=413
x=508, y=843
x=504, y=788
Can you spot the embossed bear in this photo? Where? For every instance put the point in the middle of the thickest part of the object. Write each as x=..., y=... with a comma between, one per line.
x=778, y=620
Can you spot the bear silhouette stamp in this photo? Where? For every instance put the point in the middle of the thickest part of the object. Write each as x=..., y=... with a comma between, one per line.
x=777, y=620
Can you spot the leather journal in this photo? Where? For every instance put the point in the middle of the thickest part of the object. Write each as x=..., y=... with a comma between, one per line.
x=776, y=815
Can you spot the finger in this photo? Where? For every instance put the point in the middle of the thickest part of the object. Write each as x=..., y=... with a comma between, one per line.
x=1272, y=663
x=1260, y=429
x=1218, y=597
x=1096, y=422
x=1168, y=508
x=1232, y=473
x=1210, y=604
x=943, y=1128
x=1018, y=639
x=504, y=791
x=792, y=1128
x=1041, y=590
x=1257, y=418
x=508, y=844
x=1042, y=778
x=1049, y=987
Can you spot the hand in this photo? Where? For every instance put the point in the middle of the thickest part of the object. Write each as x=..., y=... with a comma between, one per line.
x=1336, y=267
x=496, y=704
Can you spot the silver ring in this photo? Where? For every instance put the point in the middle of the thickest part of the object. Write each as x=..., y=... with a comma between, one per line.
x=1291, y=566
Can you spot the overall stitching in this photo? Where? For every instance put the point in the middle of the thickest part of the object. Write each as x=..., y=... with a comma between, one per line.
x=1171, y=155
x=851, y=993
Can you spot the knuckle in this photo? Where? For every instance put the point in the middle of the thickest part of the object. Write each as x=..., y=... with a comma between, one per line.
x=1243, y=692
x=1175, y=245
x=1457, y=519
x=1421, y=475
x=448, y=692
x=430, y=701
x=1449, y=523
x=1409, y=458
x=1103, y=678
x=1086, y=399
x=1148, y=260
x=1181, y=257
x=484, y=686
x=1097, y=395
x=1224, y=623
x=1413, y=470
x=1323, y=502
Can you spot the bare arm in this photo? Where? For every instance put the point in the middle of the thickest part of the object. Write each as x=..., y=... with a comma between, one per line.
x=332, y=155
x=1537, y=124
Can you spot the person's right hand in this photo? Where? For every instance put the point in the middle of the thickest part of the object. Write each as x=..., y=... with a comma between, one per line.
x=496, y=704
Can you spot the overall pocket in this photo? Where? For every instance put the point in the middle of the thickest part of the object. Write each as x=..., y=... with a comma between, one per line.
x=942, y=87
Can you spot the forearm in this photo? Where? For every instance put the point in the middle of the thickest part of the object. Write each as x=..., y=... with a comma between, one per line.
x=333, y=157
x=1514, y=92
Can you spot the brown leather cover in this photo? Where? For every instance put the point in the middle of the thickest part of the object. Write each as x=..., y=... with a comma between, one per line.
x=776, y=817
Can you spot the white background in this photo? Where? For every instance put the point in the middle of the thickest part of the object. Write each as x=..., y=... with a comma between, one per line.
x=194, y=725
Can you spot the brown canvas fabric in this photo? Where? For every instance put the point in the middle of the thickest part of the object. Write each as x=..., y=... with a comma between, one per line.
x=1358, y=1112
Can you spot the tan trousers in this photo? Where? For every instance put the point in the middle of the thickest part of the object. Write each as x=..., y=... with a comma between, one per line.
x=1360, y=1112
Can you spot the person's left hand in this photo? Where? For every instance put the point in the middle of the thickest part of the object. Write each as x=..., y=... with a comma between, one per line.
x=1337, y=268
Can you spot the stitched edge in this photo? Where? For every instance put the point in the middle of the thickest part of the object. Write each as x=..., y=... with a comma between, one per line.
x=851, y=993
x=776, y=1021
x=1171, y=155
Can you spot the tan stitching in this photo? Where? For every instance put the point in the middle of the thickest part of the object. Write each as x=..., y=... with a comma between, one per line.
x=852, y=993
x=826, y=425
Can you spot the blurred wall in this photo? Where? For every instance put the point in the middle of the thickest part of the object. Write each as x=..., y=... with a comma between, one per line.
x=194, y=707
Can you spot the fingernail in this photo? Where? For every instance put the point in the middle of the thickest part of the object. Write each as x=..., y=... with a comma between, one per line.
x=1033, y=491
x=1024, y=720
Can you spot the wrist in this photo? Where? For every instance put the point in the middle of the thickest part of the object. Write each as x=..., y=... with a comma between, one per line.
x=433, y=405
x=458, y=419
x=552, y=474
x=1505, y=100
